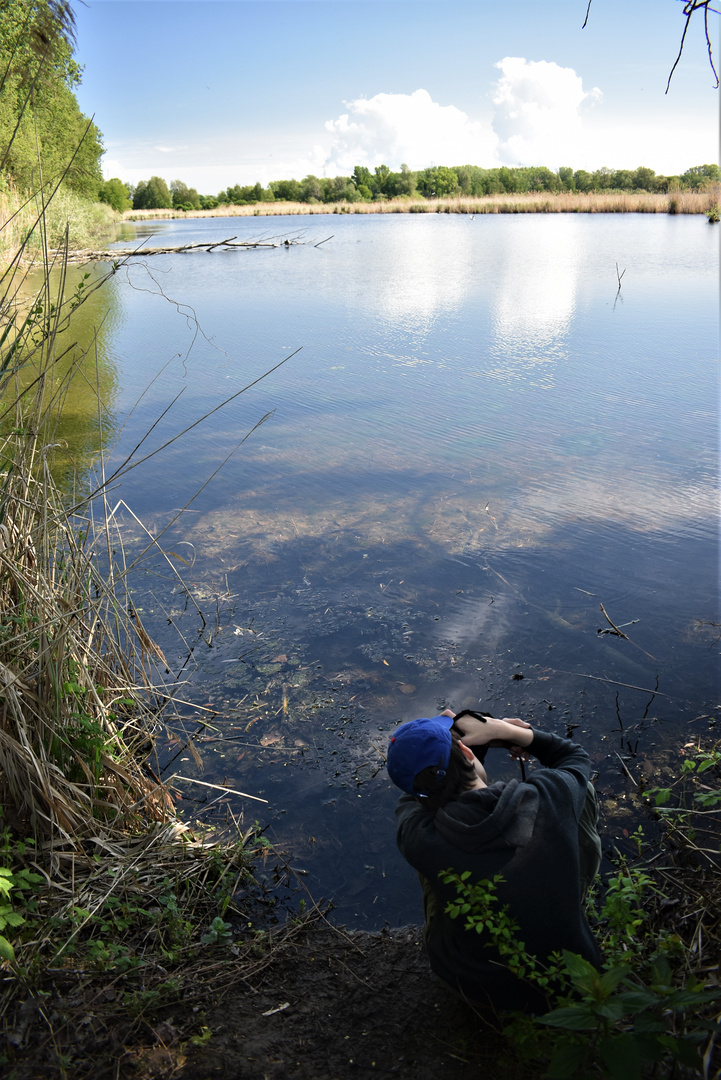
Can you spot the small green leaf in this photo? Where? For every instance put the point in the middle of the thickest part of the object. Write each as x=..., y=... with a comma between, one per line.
x=6, y=950
x=578, y=967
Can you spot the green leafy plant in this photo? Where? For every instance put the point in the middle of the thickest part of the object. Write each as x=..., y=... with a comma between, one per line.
x=637, y=1012
x=203, y=1038
x=218, y=933
x=17, y=882
x=478, y=903
x=689, y=806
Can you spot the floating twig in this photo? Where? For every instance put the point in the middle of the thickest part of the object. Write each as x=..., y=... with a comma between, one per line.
x=625, y=768
x=615, y=630
x=613, y=682
x=217, y=787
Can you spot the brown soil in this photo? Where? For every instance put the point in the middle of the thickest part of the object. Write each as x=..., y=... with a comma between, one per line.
x=322, y=1004
x=345, y=1005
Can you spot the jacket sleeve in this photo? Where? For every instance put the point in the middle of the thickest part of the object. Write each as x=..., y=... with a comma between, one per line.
x=414, y=835
x=566, y=764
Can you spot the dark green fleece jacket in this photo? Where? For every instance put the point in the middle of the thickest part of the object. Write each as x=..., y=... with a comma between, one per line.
x=528, y=832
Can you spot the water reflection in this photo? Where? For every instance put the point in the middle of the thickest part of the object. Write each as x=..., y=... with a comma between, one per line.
x=534, y=299
x=82, y=383
x=425, y=277
x=472, y=452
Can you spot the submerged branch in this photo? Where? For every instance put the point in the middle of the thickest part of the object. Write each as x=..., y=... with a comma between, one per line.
x=116, y=254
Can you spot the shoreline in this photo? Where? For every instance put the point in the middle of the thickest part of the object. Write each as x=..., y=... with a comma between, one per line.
x=675, y=202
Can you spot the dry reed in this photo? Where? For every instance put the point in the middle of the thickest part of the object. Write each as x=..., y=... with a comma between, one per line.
x=599, y=202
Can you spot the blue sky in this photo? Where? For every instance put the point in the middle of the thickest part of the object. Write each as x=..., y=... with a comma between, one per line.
x=218, y=92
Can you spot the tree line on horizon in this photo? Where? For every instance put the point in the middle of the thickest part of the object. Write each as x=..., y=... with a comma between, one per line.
x=42, y=108
x=437, y=181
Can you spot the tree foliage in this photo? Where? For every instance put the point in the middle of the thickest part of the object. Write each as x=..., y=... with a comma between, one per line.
x=115, y=193
x=435, y=182
x=183, y=197
x=153, y=194
x=441, y=181
x=39, y=113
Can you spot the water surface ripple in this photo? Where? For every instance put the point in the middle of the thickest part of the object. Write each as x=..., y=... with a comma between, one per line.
x=480, y=442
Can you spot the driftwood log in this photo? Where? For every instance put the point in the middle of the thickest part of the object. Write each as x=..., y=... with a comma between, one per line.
x=117, y=255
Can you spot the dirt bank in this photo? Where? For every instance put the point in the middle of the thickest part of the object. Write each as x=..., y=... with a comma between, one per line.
x=347, y=1005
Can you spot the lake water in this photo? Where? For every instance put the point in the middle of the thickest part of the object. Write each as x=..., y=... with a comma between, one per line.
x=480, y=441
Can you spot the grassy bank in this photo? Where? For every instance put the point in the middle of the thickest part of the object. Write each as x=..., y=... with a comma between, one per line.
x=89, y=224
x=642, y=202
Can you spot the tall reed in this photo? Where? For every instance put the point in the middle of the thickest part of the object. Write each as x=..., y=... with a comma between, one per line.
x=80, y=685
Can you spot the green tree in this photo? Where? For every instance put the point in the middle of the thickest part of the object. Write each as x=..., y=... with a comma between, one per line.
x=152, y=195
x=184, y=198
x=382, y=182
x=602, y=179
x=362, y=178
x=542, y=179
x=701, y=176
x=406, y=181
x=622, y=179
x=310, y=189
x=644, y=179
x=285, y=190
x=437, y=182
x=565, y=175
x=37, y=101
x=583, y=180
x=115, y=193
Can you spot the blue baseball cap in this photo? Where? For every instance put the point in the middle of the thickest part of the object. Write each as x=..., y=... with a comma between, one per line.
x=415, y=746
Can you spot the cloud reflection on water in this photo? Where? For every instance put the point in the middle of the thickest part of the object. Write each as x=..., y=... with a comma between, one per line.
x=534, y=300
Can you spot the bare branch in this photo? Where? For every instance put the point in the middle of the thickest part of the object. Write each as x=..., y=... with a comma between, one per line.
x=708, y=43
x=689, y=10
x=690, y=7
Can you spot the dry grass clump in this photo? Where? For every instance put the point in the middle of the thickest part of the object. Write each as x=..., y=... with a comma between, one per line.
x=77, y=693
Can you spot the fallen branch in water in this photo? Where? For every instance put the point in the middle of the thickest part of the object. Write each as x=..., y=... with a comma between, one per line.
x=115, y=255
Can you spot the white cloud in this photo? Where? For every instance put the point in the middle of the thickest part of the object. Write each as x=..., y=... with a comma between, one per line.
x=539, y=117
x=391, y=129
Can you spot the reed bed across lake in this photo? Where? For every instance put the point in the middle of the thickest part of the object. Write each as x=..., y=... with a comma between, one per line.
x=565, y=202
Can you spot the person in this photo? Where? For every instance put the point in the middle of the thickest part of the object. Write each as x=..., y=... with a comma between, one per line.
x=539, y=833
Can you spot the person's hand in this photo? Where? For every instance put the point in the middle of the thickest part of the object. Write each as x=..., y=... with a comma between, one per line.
x=494, y=732
x=518, y=753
